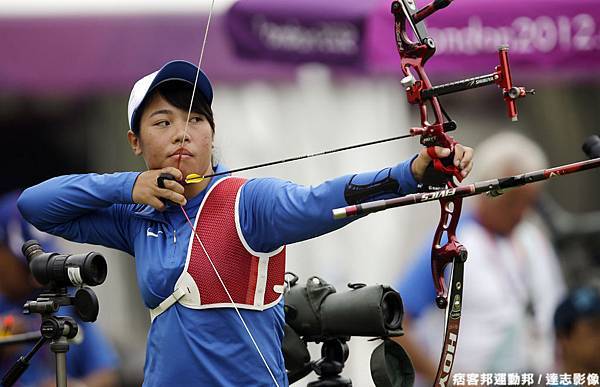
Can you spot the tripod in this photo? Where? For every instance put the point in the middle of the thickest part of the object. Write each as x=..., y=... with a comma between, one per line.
x=55, y=329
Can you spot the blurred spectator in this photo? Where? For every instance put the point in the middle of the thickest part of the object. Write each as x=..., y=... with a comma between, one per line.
x=91, y=362
x=577, y=328
x=512, y=280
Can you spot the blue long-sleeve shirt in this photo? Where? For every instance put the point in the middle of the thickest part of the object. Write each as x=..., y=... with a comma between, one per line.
x=188, y=347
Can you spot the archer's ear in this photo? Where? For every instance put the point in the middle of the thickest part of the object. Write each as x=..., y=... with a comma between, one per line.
x=134, y=142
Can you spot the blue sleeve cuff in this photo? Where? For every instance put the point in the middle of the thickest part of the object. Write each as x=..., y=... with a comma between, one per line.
x=403, y=174
x=126, y=192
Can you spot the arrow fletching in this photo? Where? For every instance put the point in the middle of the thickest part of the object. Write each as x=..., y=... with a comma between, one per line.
x=193, y=178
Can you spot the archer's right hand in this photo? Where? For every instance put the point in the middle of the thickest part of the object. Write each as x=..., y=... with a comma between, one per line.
x=147, y=191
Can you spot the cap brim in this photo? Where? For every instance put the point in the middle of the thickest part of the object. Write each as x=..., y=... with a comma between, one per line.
x=183, y=71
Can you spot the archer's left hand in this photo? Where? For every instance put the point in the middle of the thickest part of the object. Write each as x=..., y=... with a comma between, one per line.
x=463, y=159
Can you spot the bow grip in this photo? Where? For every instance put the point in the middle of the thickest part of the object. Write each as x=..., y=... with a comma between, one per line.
x=432, y=136
x=445, y=165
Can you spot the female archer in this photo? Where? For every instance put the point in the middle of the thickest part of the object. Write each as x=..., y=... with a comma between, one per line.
x=210, y=252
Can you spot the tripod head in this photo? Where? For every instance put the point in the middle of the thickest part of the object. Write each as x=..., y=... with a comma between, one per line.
x=84, y=301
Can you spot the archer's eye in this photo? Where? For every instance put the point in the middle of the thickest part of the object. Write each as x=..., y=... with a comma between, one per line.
x=197, y=119
x=162, y=123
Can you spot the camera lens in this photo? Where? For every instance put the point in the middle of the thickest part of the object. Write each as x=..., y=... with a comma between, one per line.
x=94, y=269
x=391, y=304
x=89, y=269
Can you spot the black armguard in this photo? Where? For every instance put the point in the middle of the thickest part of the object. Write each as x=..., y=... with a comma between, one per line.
x=360, y=193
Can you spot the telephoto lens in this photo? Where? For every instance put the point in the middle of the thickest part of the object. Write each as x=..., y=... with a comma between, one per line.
x=316, y=311
x=59, y=270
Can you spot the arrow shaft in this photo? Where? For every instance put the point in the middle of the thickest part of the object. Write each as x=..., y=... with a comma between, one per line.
x=308, y=156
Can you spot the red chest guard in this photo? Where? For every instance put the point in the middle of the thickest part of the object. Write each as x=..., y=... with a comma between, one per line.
x=254, y=280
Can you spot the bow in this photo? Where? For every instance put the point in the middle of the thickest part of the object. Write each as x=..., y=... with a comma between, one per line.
x=413, y=56
x=434, y=132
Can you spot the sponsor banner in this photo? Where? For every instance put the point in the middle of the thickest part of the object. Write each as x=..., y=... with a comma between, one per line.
x=550, y=36
x=331, y=32
x=562, y=37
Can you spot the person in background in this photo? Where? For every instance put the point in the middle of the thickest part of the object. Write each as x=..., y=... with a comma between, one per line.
x=91, y=362
x=577, y=329
x=512, y=279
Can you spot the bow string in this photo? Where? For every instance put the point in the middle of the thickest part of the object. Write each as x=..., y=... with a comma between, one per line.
x=187, y=217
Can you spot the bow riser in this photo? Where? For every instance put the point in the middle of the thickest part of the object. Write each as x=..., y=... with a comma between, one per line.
x=451, y=251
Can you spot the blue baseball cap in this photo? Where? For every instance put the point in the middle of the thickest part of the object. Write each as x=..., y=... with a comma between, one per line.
x=180, y=70
x=581, y=303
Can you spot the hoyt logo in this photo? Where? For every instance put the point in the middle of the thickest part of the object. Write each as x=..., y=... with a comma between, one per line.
x=450, y=348
x=438, y=194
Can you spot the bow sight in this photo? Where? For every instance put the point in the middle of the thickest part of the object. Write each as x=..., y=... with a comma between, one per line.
x=501, y=76
x=415, y=54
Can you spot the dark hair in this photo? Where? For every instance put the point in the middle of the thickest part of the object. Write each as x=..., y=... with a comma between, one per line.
x=581, y=303
x=178, y=93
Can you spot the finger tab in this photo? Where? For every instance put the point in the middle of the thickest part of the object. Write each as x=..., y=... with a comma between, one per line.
x=160, y=180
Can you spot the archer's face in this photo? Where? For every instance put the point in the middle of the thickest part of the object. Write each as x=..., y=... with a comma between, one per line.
x=159, y=141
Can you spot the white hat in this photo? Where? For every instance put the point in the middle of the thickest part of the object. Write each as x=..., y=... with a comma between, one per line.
x=175, y=70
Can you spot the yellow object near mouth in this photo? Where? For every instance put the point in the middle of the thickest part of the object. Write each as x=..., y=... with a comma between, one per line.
x=193, y=178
